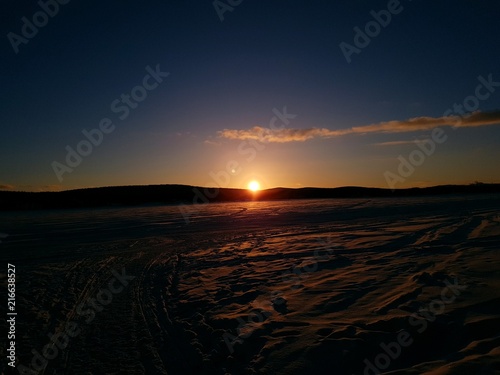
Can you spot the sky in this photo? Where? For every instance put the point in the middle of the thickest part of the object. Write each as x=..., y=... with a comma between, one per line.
x=219, y=93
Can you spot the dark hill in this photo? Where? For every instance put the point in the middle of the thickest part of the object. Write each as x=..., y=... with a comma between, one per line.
x=176, y=194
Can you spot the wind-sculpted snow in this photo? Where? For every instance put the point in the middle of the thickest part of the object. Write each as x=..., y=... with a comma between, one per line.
x=353, y=286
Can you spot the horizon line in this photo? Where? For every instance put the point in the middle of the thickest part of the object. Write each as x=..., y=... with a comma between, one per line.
x=246, y=189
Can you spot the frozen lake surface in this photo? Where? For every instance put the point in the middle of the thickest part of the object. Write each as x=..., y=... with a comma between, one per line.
x=348, y=286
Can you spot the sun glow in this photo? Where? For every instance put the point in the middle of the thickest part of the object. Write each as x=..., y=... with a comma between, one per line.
x=254, y=185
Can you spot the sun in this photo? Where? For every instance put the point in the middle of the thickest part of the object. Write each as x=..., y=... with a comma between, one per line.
x=254, y=185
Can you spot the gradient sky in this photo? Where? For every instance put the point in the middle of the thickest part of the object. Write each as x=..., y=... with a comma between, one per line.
x=227, y=80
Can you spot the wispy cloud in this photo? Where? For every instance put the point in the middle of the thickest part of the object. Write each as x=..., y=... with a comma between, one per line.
x=399, y=143
x=280, y=136
x=6, y=187
x=211, y=143
x=474, y=119
x=31, y=187
x=426, y=123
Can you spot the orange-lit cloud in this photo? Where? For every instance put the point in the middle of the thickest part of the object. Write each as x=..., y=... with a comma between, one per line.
x=399, y=143
x=280, y=136
x=211, y=143
x=31, y=187
x=6, y=187
x=474, y=119
x=426, y=123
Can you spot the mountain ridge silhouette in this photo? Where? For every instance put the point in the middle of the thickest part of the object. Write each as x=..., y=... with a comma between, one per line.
x=135, y=195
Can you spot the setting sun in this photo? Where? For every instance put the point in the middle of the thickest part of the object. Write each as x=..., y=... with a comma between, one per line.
x=254, y=185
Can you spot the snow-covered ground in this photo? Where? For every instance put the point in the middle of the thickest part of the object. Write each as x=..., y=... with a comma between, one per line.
x=353, y=286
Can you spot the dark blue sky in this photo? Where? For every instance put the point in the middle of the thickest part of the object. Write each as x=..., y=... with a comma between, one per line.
x=231, y=74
